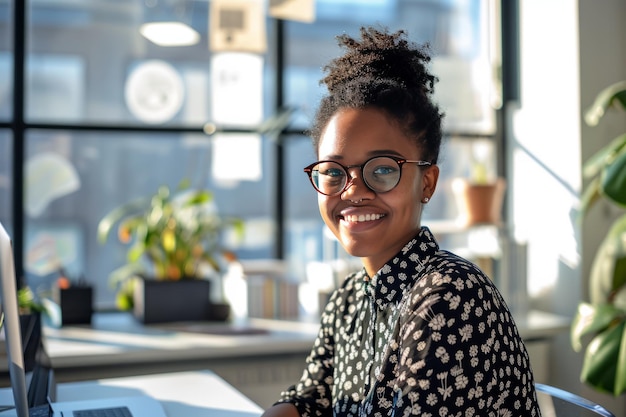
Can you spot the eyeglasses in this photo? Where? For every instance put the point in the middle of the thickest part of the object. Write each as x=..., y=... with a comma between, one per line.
x=380, y=173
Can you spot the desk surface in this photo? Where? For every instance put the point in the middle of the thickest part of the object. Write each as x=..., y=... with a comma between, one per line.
x=117, y=338
x=189, y=394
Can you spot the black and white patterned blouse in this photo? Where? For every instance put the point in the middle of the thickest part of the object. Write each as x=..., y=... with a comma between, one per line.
x=428, y=335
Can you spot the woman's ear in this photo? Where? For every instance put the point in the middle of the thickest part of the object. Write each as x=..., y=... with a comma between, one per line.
x=429, y=181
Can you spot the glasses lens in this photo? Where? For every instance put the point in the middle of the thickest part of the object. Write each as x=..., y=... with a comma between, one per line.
x=381, y=174
x=329, y=178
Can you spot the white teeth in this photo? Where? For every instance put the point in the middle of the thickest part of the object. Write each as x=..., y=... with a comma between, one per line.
x=363, y=218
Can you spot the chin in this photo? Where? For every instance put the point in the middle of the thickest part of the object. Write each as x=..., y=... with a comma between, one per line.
x=355, y=248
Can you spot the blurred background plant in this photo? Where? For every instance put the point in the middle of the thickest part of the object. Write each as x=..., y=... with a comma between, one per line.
x=600, y=324
x=28, y=302
x=171, y=237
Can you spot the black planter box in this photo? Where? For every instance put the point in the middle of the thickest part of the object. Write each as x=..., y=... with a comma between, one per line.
x=158, y=301
x=30, y=327
x=76, y=304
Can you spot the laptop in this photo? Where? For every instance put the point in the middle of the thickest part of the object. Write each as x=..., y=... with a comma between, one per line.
x=132, y=406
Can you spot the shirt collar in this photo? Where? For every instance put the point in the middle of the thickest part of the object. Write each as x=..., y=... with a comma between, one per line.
x=400, y=272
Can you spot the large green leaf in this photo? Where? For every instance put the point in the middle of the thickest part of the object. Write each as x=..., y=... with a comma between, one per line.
x=604, y=365
x=598, y=161
x=614, y=177
x=610, y=96
x=608, y=271
x=591, y=319
x=616, y=239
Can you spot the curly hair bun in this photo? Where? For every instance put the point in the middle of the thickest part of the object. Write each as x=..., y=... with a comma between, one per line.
x=381, y=56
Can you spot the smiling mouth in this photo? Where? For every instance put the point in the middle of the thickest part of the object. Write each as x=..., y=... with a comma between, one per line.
x=362, y=218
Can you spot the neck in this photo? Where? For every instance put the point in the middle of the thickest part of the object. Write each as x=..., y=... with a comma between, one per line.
x=370, y=267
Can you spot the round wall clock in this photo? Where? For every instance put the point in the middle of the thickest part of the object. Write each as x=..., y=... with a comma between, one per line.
x=154, y=92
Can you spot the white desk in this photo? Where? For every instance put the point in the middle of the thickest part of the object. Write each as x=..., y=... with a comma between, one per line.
x=182, y=394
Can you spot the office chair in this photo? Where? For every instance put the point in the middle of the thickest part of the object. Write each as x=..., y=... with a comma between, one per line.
x=555, y=402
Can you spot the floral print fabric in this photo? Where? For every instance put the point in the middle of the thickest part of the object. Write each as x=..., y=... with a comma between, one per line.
x=428, y=335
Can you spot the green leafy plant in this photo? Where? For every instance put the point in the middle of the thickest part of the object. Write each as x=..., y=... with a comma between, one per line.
x=601, y=322
x=171, y=237
x=28, y=302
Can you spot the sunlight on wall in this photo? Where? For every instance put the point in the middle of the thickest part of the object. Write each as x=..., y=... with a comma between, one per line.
x=544, y=204
x=544, y=155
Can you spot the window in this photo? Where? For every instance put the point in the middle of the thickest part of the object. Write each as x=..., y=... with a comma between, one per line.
x=108, y=124
x=6, y=60
x=6, y=167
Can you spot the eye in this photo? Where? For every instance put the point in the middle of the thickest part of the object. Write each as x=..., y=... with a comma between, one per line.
x=332, y=172
x=382, y=174
x=381, y=170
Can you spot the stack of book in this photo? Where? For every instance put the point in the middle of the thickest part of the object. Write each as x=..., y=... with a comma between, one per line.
x=272, y=297
x=272, y=291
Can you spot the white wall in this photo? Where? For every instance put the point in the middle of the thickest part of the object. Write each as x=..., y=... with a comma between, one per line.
x=570, y=49
x=544, y=163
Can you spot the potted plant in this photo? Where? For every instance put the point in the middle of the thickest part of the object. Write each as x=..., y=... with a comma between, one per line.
x=600, y=324
x=479, y=198
x=173, y=239
x=31, y=309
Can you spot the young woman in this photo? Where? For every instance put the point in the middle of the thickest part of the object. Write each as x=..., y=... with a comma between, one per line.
x=418, y=331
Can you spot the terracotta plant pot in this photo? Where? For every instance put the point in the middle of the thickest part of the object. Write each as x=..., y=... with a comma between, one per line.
x=479, y=203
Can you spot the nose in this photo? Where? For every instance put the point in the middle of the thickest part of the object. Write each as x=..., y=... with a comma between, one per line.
x=356, y=188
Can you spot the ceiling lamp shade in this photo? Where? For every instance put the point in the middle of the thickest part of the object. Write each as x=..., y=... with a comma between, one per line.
x=169, y=33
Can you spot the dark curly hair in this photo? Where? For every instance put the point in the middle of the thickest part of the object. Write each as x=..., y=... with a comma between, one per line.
x=384, y=71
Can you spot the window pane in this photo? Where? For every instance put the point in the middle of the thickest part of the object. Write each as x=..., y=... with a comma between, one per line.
x=6, y=177
x=303, y=229
x=88, y=62
x=74, y=179
x=6, y=59
x=460, y=35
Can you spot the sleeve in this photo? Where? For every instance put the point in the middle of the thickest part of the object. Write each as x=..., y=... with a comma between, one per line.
x=457, y=351
x=312, y=396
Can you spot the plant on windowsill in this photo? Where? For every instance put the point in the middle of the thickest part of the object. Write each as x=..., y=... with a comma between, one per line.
x=479, y=198
x=600, y=324
x=173, y=239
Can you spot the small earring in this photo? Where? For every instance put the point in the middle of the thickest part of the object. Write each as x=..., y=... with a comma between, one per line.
x=425, y=200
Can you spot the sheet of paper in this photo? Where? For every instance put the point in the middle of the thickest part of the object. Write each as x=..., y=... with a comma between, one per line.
x=236, y=89
x=245, y=149
x=237, y=25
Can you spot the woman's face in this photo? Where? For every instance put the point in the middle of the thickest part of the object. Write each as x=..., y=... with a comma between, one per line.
x=369, y=225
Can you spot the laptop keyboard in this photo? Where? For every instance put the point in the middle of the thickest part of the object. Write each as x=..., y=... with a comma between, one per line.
x=104, y=412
